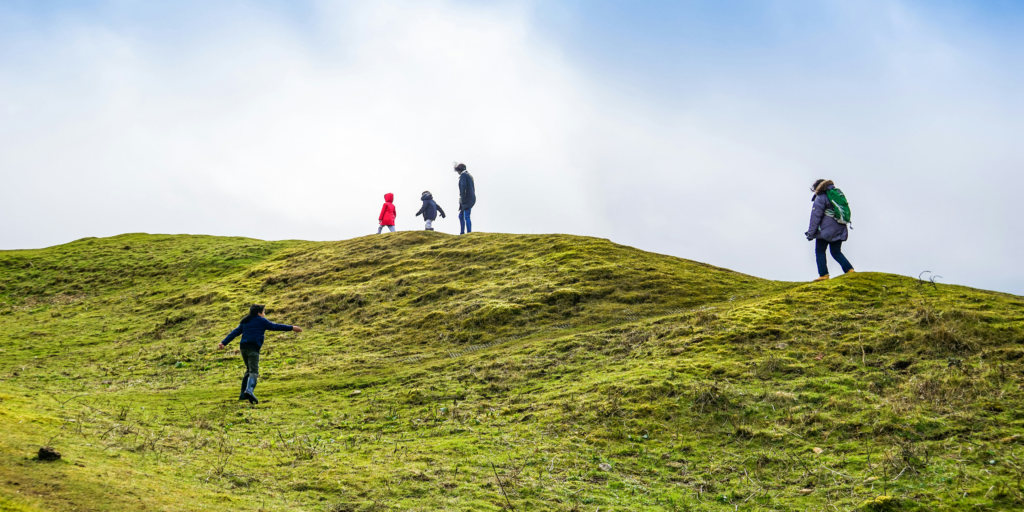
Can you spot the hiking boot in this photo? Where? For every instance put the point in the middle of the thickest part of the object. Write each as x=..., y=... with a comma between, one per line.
x=850, y=271
x=822, y=278
x=245, y=384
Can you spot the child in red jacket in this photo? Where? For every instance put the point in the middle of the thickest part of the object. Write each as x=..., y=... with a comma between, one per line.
x=387, y=214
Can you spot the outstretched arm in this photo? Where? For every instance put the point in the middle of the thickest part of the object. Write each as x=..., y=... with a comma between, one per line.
x=232, y=335
x=421, y=211
x=271, y=326
x=439, y=210
x=382, y=210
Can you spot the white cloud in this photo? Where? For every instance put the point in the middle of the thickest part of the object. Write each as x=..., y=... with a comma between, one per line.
x=256, y=125
x=269, y=129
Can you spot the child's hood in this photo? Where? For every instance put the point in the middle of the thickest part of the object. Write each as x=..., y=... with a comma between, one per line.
x=389, y=197
x=426, y=196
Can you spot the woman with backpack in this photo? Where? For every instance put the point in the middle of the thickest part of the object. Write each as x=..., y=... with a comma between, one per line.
x=830, y=214
x=252, y=329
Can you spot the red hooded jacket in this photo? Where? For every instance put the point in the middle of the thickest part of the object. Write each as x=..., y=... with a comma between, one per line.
x=388, y=212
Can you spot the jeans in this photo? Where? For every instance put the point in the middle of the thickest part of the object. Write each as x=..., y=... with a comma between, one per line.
x=836, y=248
x=465, y=225
x=381, y=228
x=251, y=358
x=430, y=224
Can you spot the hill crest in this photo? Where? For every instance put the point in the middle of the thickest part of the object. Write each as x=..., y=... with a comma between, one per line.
x=588, y=374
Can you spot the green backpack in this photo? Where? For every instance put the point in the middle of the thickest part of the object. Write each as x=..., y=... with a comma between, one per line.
x=840, y=210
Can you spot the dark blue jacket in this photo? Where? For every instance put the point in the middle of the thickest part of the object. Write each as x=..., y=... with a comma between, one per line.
x=430, y=208
x=467, y=191
x=252, y=332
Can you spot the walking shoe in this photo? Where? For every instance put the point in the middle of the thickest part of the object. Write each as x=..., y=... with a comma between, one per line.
x=822, y=278
x=849, y=271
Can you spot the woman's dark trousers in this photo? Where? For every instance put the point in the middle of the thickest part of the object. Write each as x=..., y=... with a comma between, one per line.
x=251, y=357
x=465, y=225
x=836, y=248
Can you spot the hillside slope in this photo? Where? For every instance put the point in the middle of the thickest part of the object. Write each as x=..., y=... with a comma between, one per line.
x=489, y=371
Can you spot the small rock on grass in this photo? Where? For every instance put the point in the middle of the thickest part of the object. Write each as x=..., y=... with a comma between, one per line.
x=604, y=466
x=48, y=454
x=817, y=450
x=356, y=392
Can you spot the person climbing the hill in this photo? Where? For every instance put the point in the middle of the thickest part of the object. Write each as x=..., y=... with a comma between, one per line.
x=252, y=329
x=387, y=214
x=429, y=210
x=467, y=198
x=830, y=214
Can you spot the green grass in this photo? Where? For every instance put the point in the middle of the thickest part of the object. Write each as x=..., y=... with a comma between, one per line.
x=492, y=371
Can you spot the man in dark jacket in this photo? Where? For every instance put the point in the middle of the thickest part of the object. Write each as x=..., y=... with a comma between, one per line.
x=429, y=210
x=826, y=231
x=467, y=198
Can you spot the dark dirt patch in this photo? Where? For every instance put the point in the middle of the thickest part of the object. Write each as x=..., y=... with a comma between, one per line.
x=48, y=454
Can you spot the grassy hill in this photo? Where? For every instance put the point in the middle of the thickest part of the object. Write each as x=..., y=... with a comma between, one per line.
x=490, y=372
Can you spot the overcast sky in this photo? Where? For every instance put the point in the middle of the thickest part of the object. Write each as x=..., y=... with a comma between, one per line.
x=686, y=128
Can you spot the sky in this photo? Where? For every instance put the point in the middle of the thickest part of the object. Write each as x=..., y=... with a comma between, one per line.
x=686, y=128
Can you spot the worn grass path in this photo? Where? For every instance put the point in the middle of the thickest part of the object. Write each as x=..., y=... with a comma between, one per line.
x=489, y=372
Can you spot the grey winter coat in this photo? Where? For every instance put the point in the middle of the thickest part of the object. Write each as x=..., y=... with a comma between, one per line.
x=822, y=226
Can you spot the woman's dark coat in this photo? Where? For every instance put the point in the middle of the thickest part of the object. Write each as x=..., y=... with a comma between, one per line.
x=822, y=226
x=467, y=191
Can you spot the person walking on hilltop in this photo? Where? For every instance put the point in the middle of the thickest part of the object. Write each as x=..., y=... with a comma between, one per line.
x=830, y=215
x=252, y=329
x=429, y=210
x=467, y=198
x=387, y=214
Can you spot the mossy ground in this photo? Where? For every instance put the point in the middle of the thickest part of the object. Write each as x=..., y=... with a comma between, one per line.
x=493, y=371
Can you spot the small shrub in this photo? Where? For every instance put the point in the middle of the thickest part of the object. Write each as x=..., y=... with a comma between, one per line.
x=943, y=339
x=881, y=504
x=925, y=315
x=707, y=395
x=704, y=318
x=768, y=366
x=742, y=432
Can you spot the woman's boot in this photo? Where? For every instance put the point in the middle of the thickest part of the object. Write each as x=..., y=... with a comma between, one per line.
x=248, y=391
x=245, y=384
